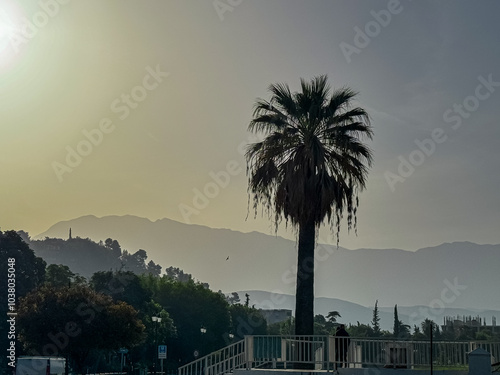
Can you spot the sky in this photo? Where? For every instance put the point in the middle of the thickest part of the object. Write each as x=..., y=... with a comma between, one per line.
x=142, y=108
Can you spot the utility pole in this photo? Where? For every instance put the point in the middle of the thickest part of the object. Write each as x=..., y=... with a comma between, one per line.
x=156, y=320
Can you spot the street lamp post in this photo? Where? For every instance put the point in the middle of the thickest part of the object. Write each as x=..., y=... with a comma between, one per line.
x=231, y=338
x=203, y=330
x=156, y=320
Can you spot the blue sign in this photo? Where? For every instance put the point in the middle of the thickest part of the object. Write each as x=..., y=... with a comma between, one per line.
x=162, y=351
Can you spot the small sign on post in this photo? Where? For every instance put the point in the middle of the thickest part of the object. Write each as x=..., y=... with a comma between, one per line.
x=162, y=351
x=122, y=351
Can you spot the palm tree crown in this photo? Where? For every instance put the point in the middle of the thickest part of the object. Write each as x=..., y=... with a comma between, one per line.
x=308, y=169
x=311, y=163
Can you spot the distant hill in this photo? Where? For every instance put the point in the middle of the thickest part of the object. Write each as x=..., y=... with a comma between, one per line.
x=256, y=261
x=85, y=257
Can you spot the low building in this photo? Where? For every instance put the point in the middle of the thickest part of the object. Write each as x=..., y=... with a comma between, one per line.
x=476, y=322
x=276, y=315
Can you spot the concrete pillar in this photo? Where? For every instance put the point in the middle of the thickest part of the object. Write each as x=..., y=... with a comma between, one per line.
x=479, y=362
x=249, y=351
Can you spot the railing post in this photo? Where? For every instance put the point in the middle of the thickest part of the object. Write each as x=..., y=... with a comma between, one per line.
x=248, y=351
x=327, y=354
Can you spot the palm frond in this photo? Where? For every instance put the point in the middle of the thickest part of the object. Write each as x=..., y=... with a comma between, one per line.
x=312, y=162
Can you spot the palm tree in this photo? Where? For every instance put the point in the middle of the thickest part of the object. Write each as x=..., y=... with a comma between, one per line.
x=332, y=316
x=308, y=169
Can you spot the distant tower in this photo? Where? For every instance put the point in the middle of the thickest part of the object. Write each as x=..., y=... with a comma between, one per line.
x=70, y=234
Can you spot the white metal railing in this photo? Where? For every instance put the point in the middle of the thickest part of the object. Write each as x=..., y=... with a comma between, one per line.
x=324, y=353
x=286, y=351
x=415, y=354
x=220, y=362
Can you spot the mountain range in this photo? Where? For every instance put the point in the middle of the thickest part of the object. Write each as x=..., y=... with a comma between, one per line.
x=449, y=279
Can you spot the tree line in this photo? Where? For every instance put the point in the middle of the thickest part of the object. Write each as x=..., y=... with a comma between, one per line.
x=403, y=331
x=88, y=320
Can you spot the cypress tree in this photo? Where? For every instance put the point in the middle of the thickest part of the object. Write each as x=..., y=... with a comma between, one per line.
x=376, y=320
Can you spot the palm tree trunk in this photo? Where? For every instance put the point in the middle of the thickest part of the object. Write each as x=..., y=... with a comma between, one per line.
x=304, y=296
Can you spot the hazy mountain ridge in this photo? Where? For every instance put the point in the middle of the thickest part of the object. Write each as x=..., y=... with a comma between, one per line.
x=263, y=262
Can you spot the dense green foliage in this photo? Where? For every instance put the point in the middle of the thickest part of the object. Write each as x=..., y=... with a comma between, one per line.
x=58, y=275
x=29, y=269
x=128, y=287
x=246, y=320
x=75, y=322
x=29, y=272
x=192, y=306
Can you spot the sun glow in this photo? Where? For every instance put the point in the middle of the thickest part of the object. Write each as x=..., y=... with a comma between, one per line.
x=10, y=34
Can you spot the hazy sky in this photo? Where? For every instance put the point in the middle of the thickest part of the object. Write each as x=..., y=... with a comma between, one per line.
x=135, y=107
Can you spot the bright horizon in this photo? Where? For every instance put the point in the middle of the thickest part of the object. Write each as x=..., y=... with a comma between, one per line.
x=116, y=108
